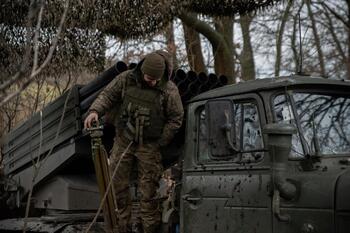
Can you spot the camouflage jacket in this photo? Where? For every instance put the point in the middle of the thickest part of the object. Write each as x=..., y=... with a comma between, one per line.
x=111, y=99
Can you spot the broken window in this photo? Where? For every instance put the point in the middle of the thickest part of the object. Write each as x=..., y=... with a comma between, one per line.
x=247, y=137
x=284, y=114
x=324, y=122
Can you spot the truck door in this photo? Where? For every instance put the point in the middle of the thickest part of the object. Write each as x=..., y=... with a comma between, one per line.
x=226, y=173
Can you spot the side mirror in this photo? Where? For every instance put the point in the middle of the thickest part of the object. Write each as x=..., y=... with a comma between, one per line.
x=221, y=124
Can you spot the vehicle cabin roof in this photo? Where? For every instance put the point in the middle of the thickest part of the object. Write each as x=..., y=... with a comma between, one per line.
x=273, y=83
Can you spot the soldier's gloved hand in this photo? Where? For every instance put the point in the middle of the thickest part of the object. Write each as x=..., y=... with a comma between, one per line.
x=92, y=117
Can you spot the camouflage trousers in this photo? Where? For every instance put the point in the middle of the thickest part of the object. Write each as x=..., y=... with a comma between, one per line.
x=147, y=158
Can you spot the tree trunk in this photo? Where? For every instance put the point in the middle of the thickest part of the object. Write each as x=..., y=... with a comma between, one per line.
x=247, y=57
x=317, y=39
x=348, y=28
x=346, y=21
x=336, y=40
x=280, y=38
x=2, y=129
x=217, y=40
x=170, y=41
x=296, y=55
x=224, y=54
x=194, y=48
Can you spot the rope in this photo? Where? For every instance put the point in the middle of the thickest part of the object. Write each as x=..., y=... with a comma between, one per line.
x=107, y=190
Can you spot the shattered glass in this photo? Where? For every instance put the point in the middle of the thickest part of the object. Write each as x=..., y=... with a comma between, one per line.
x=284, y=114
x=247, y=131
x=324, y=121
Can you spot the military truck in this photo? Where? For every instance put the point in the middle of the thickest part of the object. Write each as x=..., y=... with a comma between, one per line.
x=268, y=156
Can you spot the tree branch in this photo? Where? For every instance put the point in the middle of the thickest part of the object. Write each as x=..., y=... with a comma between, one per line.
x=35, y=72
x=36, y=38
x=338, y=16
x=203, y=28
x=33, y=8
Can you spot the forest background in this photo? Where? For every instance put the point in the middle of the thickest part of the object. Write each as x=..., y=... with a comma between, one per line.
x=48, y=46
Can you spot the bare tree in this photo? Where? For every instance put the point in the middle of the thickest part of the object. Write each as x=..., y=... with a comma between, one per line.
x=316, y=38
x=344, y=17
x=295, y=50
x=21, y=77
x=222, y=44
x=279, y=40
x=247, y=55
x=194, y=48
x=170, y=41
x=224, y=55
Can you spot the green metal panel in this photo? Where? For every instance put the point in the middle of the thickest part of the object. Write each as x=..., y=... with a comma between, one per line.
x=22, y=144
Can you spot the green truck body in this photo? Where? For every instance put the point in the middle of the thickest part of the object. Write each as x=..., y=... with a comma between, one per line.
x=267, y=156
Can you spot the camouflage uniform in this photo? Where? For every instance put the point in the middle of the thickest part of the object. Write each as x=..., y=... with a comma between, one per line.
x=147, y=155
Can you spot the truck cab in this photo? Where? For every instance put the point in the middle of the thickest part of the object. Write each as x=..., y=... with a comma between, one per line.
x=270, y=155
x=267, y=156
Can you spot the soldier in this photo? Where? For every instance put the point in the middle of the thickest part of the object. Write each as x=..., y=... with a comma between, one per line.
x=149, y=112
